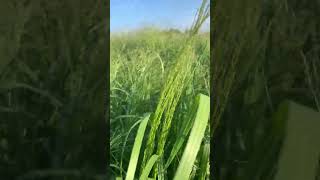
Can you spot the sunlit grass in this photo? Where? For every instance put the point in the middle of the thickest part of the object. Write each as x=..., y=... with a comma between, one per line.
x=160, y=72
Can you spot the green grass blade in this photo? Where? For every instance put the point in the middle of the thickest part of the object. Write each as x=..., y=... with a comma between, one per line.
x=148, y=168
x=136, y=149
x=195, y=139
x=125, y=142
x=181, y=139
x=204, y=163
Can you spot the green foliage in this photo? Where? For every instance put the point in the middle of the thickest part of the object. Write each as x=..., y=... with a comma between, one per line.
x=144, y=61
x=191, y=151
x=52, y=87
x=263, y=53
x=136, y=149
x=195, y=140
x=146, y=171
x=150, y=60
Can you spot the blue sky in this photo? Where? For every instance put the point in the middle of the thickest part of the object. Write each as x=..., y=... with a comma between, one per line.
x=129, y=15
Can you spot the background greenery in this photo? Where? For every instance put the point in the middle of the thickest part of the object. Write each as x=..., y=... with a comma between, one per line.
x=263, y=52
x=52, y=85
x=141, y=61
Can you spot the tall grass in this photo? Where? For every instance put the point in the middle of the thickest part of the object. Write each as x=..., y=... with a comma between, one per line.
x=154, y=73
x=174, y=87
x=52, y=86
x=263, y=53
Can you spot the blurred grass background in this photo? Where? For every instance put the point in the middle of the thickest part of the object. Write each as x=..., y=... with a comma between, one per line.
x=53, y=74
x=263, y=52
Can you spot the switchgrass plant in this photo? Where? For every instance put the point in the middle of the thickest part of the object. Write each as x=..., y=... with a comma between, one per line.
x=161, y=72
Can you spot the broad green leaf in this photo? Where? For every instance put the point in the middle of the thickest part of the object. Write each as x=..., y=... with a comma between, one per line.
x=195, y=139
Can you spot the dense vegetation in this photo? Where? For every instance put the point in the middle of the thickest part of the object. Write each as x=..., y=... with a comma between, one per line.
x=53, y=63
x=52, y=86
x=263, y=52
x=140, y=64
x=160, y=72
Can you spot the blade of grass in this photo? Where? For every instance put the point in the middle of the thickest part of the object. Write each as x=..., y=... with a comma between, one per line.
x=195, y=139
x=147, y=169
x=125, y=142
x=136, y=149
x=181, y=139
x=204, y=163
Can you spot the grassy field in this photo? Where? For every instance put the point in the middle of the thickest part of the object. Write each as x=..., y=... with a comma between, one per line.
x=264, y=53
x=52, y=88
x=165, y=73
x=53, y=82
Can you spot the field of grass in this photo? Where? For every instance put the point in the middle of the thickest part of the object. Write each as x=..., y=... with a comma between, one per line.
x=263, y=53
x=53, y=82
x=52, y=88
x=160, y=77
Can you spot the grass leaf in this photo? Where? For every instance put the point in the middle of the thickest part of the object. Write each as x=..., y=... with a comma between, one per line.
x=195, y=139
x=136, y=149
x=147, y=169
